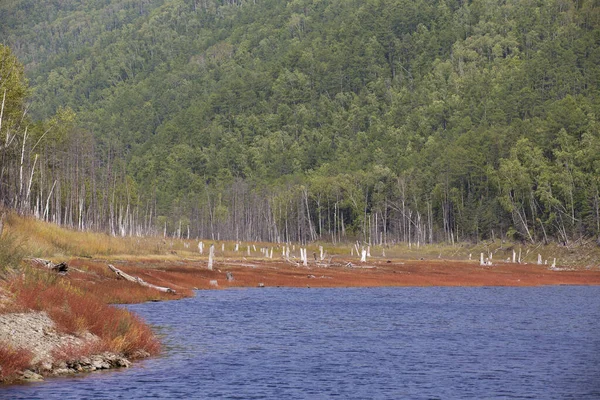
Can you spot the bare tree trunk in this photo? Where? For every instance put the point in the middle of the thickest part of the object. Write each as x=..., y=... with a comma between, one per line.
x=2, y=216
x=2, y=112
x=334, y=222
x=211, y=255
x=46, y=210
x=27, y=196
x=19, y=201
x=522, y=218
x=385, y=222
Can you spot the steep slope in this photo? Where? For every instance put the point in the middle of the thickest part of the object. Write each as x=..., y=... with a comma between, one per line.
x=418, y=120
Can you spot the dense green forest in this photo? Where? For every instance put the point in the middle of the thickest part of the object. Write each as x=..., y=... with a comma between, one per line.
x=380, y=120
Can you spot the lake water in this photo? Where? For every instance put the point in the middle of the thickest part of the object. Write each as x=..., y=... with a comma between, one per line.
x=376, y=343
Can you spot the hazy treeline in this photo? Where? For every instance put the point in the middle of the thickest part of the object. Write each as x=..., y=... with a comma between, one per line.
x=384, y=120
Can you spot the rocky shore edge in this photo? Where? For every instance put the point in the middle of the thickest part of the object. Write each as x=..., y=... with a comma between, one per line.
x=95, y=362
x=36, y=333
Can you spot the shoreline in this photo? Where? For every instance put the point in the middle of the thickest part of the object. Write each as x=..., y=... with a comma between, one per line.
x=187, y=275
x=344, y=272
x=54, y=353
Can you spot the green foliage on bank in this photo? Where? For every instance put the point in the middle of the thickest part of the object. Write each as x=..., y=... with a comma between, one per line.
x=443, y=120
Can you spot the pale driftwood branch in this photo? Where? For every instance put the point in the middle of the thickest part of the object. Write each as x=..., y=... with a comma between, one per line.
x=242, y=265
x=138, y=280
x=294, y=263
x=325, y=264
x=60, y=267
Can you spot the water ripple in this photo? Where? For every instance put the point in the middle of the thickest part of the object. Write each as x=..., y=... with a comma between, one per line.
x=386, y=343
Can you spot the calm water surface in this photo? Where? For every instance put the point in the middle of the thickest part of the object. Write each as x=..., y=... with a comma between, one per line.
x=381, y=343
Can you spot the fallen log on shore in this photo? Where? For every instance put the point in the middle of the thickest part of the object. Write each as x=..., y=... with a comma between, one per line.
x=139, y=280
x=61, y=268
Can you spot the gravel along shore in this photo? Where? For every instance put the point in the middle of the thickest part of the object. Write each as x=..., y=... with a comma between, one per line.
x=36, y=332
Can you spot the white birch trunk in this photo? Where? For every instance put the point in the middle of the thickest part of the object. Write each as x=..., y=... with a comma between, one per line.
x=30, y=181
x=19, y=203
x=2, y=113
x=46, y=211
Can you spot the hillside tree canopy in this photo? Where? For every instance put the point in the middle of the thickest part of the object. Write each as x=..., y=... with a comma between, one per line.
x=380, y=120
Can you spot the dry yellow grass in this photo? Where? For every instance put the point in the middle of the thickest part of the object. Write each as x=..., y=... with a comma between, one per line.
x=46, y=239
x=41, y=239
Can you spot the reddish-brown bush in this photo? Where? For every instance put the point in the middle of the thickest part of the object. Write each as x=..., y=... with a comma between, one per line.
x=12, y=361
x=72, y=352
x=75, y=312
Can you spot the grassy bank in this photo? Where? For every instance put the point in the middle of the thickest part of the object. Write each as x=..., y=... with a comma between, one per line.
x=40, y=239
x=79, y=302
x=76, y=313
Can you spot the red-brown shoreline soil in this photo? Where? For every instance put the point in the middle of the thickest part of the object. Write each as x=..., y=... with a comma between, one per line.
x=93, y=277
x=377, y=273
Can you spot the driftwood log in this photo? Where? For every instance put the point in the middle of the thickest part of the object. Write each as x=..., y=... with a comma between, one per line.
x=61, y=268
x=138, y=280
x=294, y=263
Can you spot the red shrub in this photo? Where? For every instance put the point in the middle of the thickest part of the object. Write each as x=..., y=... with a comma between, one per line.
x=128, y=334
x=12, y=361
x=71, y=352
x=75, y=312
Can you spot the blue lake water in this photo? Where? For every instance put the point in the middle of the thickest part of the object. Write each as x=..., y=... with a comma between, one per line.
x=375, y=343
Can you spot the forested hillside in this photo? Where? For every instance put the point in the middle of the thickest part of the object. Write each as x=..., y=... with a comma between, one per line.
x=380, y=120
